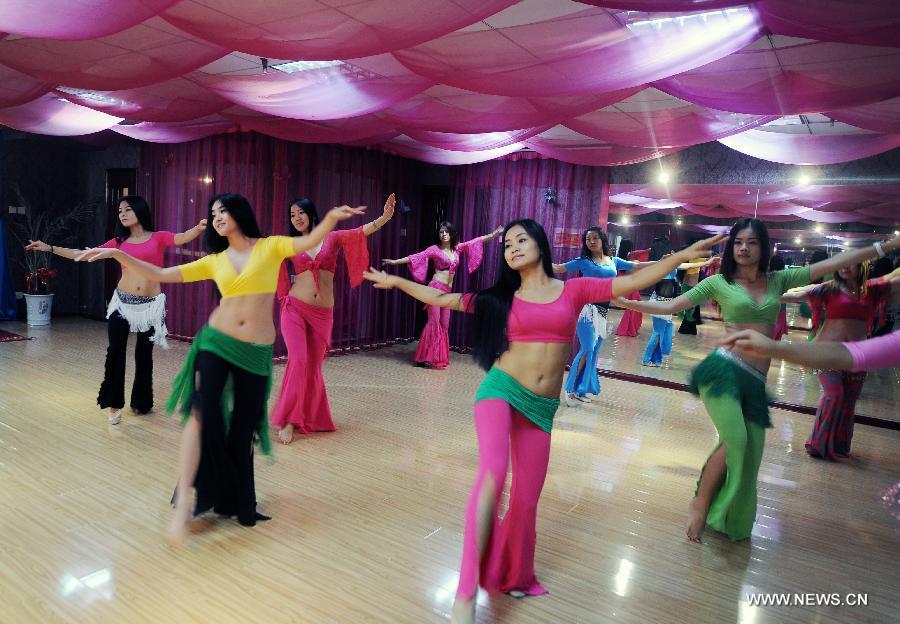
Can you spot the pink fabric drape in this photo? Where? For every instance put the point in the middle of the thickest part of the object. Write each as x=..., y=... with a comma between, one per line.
x=315, y=30
x=823, y=203
x=801, y=149
x=176, y=132
x=879, y=117
x=81, y=19
x=17, y=88
x=537, y=59
x=142, y=55
x=178, y=99
x=327, y=93
x=464, y=81
x=680, y=126
x=50, y=115
x=792, y=79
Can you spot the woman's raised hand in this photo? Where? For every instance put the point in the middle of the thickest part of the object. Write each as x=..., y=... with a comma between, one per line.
x=389, y=207
x=379, y=279
x=702, y=247
x=344, y=212
x=37, y=246
x=97, y=253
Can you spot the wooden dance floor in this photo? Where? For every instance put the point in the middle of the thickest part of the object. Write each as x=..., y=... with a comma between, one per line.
x=367, y=521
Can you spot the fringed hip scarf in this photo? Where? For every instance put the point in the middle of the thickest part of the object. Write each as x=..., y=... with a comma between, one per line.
x=142, y=314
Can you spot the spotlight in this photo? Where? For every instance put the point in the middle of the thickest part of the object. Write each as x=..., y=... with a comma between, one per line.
x=896, y=232
x=678, y=221
x=206, y=180
x=664, y=177
x=798, y=240
x=803, y=179
x=625, y=220
x=818, y=228
x=803, y=249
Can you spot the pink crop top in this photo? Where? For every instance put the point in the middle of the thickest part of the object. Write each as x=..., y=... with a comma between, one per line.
x=356, y=257
x=880, y=352
x=836, y=304
x=418, y=263
x=151, y=250
x=554, y=321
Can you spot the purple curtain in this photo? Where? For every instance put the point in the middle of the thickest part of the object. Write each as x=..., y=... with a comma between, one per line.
x=179, y=179
x=486, y=195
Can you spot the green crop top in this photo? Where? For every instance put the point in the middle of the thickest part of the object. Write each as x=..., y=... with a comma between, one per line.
x=260, y=274
x=736, y=303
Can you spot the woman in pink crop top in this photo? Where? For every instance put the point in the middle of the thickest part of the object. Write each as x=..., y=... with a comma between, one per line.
x=307, y=316
x=434, y=343
x=536, y=315
x=137, y=306
x=850, y=304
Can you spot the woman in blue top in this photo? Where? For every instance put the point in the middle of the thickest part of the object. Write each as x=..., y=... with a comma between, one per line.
x=594, y=261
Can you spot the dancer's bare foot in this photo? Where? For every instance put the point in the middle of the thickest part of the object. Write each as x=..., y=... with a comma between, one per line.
x=696, y=520
x=286, y=434
x=115, y=416
x=463, y=611
x=177, y=530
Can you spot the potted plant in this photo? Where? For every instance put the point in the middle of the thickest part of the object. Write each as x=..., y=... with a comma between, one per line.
x=56, y=224
x=38, y=298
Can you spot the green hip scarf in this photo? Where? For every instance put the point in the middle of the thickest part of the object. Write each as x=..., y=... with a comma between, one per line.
x=253, y=358
x=734, y=394
x=501, y=385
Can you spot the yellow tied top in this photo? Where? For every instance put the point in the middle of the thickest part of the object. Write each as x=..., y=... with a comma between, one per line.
x=260, y=274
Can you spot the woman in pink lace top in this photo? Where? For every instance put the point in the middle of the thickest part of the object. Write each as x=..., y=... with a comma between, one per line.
x=307, y=316
x=434, y=343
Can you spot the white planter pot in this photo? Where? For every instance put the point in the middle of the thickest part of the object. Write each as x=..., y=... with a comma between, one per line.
x=38, y=309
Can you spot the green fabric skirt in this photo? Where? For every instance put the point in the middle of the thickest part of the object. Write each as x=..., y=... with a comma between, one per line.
x=734, y=395
x=501, y=385
x=253, y=358
x=725, y=374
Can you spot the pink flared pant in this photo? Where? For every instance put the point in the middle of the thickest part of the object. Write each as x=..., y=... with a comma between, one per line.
x=506, y=561
x=302, y=401
x=434, y=343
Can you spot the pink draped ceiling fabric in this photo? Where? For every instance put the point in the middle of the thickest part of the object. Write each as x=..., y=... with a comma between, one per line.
x=831, y=204
x=596, y=82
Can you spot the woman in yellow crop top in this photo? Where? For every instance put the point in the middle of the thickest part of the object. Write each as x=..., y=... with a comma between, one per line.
x=733, y=388
x=231, y=357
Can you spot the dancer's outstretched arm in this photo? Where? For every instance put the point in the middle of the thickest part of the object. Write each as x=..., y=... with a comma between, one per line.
x=848, y=258
x=425, y=294
x=373, y=226
x=164, y=275
x=64, y=252
x=825, y=355
x=649, y=275
x=188, y=235
x=318, y=233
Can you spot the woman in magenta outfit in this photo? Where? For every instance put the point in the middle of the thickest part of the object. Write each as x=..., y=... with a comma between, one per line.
x=434, y=343
x=522, y=335
x=307, y=316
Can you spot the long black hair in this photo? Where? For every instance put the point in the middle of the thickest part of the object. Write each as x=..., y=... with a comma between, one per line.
x=141, y=210
x=729, y=266
x=659, y=247
x=625, y=248
x=492, y=304
x=242, y=213
x=307, y=207
x=604, y=241
x=451, y=230
x=776, y=263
